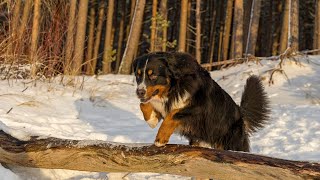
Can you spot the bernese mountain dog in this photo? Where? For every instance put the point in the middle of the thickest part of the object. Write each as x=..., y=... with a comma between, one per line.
x=175, y=88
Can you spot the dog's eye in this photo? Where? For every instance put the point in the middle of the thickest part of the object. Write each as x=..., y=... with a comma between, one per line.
x=153, y=77
x=138, y=77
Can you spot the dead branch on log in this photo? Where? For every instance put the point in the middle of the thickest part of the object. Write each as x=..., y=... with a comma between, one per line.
x=99, y=156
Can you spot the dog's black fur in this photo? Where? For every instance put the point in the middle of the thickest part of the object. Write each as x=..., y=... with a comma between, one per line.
x=211, y=115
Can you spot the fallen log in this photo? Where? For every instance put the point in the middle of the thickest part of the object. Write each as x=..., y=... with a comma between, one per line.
x=100, y=156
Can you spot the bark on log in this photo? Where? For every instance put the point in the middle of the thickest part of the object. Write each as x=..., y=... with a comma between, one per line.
x=100, y=156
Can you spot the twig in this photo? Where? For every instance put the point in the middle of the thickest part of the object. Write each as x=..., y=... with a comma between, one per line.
x=9, y=110
x=25, y=89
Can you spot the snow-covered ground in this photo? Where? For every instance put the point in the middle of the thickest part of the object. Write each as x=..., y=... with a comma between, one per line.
x=106, y=108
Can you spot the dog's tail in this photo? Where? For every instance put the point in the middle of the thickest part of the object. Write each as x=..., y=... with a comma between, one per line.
x=254, y=105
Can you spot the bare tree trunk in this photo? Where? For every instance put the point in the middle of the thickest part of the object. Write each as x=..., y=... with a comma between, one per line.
x=276, y=35
x=121, y=34
x=133, y=39
x=238, y=29
x=317, y=27
x=164, y=15
x=253, y=27
x=220, y=42
x=97, y=39
x=14, y=26
x=35, y=37
x=183, y=26
x=81, y=36
x=107, y=54
x=227, y=30
x=24, y=20
x=284, y=29
x=215, y=19
x=53, y=153
x=198, y=31
x=70, y=37
x=247, y=6
x=293, y=37
x=90, y=45
x=132, y=9
x=190, y=33
x=153, y=25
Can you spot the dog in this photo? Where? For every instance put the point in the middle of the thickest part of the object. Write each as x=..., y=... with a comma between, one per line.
x=172, y=86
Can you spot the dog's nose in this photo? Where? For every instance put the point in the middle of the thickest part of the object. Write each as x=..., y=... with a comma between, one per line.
x=141, y=93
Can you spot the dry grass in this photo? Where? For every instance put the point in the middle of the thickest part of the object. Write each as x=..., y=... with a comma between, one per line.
x=14, y=50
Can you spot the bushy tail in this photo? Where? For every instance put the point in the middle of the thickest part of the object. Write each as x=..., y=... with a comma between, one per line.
x=254, y=105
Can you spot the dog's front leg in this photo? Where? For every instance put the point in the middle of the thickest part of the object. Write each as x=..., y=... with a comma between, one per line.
x=166, y=129
x=150, y=115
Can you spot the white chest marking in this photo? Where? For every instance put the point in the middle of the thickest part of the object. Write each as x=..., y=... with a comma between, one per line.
x=142, y=85
x=181, y=101
x=159, y=105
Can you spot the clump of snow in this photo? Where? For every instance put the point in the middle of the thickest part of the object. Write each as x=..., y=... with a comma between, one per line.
x=17, y=133
x=7, y=174
x=105, y=108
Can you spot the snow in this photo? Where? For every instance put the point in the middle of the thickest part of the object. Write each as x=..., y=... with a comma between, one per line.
x=105, y=108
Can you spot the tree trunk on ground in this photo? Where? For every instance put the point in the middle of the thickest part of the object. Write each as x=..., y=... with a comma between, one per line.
x=121, y=33
x=238, y=29
x=183, y=26
x=227, y=30
x=133, y=39
x=253, y=27
x=35, y=37
x=284, y=28
x=317, y=27
x=153, y=25
x=107, y=54
x=70, y=37
x=164, y=15
x=91, y=33
x=99, y=156
x=293, y=37
x=198, y=31
x=80, y=37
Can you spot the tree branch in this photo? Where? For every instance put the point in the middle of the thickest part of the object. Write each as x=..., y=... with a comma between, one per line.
x=100, y=156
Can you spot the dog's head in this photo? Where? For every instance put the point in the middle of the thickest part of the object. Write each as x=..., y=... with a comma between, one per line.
x=155, y=72
x=152, y=76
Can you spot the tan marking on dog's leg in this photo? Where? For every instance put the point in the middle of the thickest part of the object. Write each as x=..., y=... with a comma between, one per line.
x=166, y=129
x=150, y=115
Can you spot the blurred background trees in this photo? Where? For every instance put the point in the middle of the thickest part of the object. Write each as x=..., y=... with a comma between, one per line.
x=100, y=37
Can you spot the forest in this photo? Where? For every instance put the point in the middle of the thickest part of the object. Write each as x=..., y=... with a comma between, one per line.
x=47, y=38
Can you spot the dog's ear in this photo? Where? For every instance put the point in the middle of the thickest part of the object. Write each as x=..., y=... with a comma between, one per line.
x=182, y=64
x=136, y=61
x=134, y=65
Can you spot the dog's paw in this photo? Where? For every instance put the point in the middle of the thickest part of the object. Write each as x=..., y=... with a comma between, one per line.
x=153, y=122
x=160, y=143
